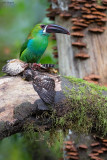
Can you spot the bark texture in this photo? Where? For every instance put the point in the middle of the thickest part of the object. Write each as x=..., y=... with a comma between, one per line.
x=96, y=49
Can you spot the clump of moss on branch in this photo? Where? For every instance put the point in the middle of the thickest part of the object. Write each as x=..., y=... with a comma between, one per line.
x=85, y=109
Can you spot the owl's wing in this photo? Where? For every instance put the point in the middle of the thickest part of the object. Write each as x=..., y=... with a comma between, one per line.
x=45, y=87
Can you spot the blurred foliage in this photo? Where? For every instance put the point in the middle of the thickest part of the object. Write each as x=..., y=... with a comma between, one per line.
x=14, y=148
x=32, y=146
x=44, y=144
x=16, y=21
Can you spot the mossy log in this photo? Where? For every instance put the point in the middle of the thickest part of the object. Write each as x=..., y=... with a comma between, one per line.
x=20, y=105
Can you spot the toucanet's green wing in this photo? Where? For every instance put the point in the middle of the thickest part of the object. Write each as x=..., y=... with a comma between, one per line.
x=24, y=46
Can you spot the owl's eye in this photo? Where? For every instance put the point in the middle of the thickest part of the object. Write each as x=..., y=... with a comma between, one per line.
x=43, y=26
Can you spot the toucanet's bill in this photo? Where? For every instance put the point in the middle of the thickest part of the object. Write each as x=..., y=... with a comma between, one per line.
x=37, y=42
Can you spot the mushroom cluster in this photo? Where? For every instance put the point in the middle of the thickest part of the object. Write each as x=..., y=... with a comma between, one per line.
x=86, y=17
x=82, y=14
x=96, y=150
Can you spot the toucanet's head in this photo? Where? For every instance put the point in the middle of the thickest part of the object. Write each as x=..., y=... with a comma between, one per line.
x=50, y=28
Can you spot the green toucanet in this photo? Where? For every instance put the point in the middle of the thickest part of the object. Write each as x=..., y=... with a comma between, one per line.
x=37, y=42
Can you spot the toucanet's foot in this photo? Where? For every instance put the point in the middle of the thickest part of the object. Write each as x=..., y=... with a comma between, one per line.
x=36, y=66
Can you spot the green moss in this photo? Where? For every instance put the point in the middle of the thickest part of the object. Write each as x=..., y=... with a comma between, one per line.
x=85, y=108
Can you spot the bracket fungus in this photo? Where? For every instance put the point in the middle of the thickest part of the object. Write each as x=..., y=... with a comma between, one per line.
x=94, y=77
x=76, y=28
x=82, y=55
x=80, y=24
x=65, y=15
x=77, y=34
x=55, y=54
x=79, y=44
x=54, y=48
x=96, y=30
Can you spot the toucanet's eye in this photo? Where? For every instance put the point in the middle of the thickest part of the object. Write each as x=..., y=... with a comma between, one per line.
x=43, y=26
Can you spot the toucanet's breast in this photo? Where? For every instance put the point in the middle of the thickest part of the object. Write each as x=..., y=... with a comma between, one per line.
x=38, y=44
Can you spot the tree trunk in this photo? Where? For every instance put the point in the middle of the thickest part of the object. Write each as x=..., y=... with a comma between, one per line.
x=96, y=44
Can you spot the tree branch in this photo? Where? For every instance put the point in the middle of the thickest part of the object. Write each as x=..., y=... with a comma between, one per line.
x=20, y=104
x=19, y=101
